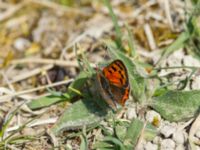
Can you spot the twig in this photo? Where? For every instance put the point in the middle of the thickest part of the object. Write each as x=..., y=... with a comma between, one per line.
x=11, y=11
x=195, y=126
x=150, y=37
x=55, y=6
x=5, y=97
x=168, y=15
x=143, y=7
x=35, y=123
x=45, y=61
x=141, y=136
x=30, y=73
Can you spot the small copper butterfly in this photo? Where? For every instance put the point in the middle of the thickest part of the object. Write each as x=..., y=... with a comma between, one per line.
x=113, y=83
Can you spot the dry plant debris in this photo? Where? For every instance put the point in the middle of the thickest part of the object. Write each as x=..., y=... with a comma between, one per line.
x=44, y=45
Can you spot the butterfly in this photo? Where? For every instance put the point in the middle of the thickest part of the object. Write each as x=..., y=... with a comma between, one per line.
x=113, y=83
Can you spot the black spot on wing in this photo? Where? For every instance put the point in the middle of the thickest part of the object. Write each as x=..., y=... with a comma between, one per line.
x=122, y=75
x=121, y=81
x=120, y=66
x=110, y=71
x=115, y=69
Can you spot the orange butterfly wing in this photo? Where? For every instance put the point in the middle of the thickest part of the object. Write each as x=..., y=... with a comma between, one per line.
x=116, y=74
x=114, y=83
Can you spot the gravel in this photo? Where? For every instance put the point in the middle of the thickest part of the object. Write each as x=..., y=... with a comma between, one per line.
x=179, y=137
x=167, y=144
x=150, y=146
x=167, y=130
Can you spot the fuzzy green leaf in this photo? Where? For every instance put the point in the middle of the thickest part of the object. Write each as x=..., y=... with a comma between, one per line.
x=82, y=113
x=177, y=105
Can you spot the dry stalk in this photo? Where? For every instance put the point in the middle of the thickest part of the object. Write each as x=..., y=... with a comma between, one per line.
x=5, y=98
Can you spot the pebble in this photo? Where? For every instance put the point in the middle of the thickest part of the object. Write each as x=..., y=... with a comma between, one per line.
x=167, y=130
x=197, y=147
x=151, y=115
x=150, y=146
x=167, y=144
x=180, y=147
x=21, y=44
x=179, y=137
x=131, y=113
x=157, y=140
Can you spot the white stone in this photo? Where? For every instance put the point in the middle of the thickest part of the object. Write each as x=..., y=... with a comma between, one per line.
x=180, y=147
x=21, y=44
x=167, y=130
x=150, y=146
x=197, y=147
x=167, y=144
x=131, y=113
x=151, y=115
x=179, y=137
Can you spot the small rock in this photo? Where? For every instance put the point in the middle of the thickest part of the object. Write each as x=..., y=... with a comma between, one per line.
x=167, y=144
x=197, y=147
x=131, y=113
x=21, y=44
x=157, y=140
x=167, y=130
x=179, y=137
x=150, y=146
x=180, y=147
x=198, y=133
x=141, y=145
x=153, y=117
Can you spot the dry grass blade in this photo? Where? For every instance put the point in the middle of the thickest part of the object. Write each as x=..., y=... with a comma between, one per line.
x=168, y=14
x=6, y=97
x=55, y=6
x=195, y=126
x=30, y=73
x=34, y=123
x=150, y=37
x=11, y=11
x=63, y=63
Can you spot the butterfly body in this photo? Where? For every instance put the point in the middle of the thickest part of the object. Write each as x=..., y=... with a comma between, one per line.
x=113, y=83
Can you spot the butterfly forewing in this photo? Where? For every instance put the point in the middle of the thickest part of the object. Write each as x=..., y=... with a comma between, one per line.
x=116, y=73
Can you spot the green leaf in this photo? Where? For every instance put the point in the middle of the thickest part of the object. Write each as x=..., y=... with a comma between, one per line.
x=133, y=133
x=137, y=82
x=52, y=99
x=84, y=142
x=120, y=130
x=103, y=145
x=150, y=132
x=7, y=121
x=45, y=102
x=82, y=113
x=77, y=84
x=177, y=105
